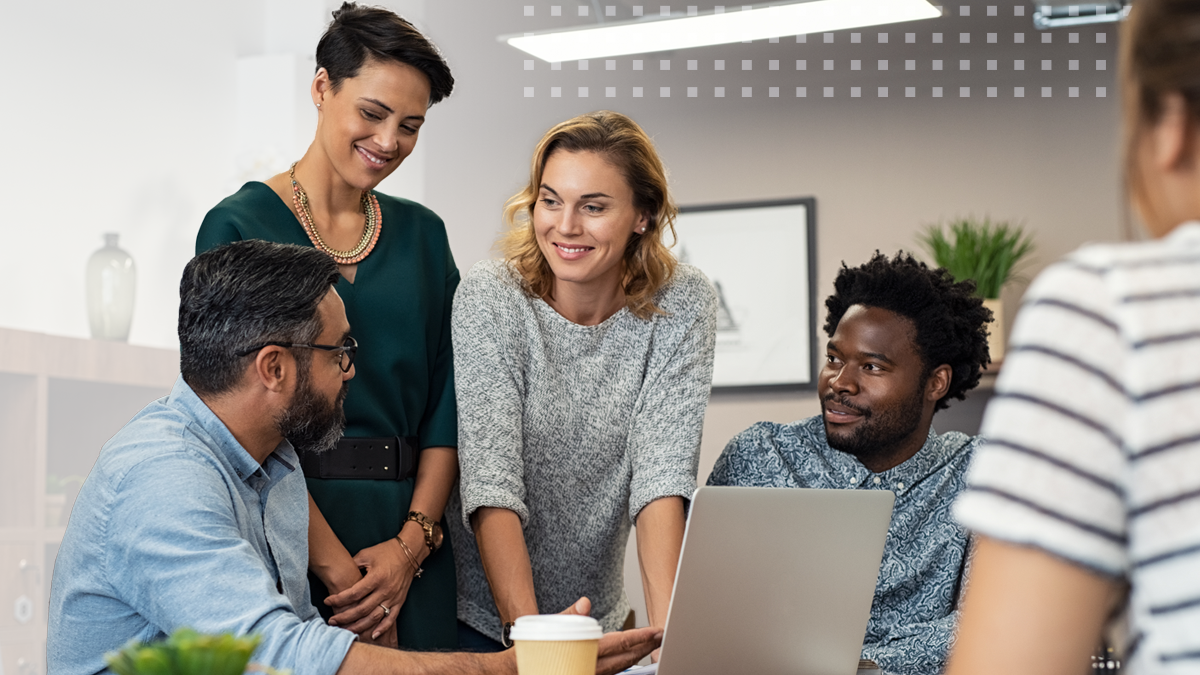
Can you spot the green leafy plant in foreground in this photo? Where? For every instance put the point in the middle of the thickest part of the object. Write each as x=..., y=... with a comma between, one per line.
x=187, y=652
x=981, y=250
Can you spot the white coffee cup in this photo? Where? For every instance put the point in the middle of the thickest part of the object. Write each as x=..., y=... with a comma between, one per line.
x=556, y=644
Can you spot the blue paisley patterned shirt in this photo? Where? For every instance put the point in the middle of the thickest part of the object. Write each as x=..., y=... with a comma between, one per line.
x=914, y=613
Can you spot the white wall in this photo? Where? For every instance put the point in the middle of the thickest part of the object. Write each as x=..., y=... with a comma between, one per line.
x=118, y=119
x=137, y=118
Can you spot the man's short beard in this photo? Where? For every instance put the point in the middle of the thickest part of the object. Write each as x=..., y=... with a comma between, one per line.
x=879, y=434
x=312, y=423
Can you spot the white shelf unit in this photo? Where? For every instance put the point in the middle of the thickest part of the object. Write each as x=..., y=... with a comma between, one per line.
x=60, y=400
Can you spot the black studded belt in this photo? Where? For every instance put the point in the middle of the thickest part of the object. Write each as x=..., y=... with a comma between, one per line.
x=390, y=458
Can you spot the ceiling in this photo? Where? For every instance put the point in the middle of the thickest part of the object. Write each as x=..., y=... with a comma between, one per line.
x=952, y=51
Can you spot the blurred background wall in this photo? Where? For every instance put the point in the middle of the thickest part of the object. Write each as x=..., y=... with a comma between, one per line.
x=137, y=116
x=881, y=169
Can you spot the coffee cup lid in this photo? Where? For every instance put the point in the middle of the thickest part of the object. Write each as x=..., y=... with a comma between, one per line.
x=554, y=627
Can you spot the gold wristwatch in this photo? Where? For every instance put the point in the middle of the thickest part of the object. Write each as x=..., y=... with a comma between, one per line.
x=433, y=530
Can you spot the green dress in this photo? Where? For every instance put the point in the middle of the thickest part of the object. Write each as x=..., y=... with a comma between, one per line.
x=399, y=311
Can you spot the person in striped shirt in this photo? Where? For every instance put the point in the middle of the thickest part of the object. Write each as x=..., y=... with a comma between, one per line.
x=1086, y=498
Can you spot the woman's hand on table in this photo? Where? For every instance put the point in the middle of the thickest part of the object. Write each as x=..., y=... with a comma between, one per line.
x=618, y=651
x=388, y=574
x=622, y=650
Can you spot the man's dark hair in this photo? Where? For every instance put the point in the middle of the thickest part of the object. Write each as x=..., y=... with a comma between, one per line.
x=950, y=320
x=360, y=32
x=243, y=294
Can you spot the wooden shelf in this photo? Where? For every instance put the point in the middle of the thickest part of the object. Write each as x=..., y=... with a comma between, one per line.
x=23, y=352
x=60, y=400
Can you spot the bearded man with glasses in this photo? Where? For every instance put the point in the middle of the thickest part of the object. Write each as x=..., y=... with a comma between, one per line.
x=196, y=513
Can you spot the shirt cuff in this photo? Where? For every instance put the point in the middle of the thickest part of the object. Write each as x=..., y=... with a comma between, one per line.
x=682, y=486
x=330, y=653
x=491, y=498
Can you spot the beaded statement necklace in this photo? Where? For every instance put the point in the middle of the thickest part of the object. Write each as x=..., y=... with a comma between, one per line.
x=370, y=206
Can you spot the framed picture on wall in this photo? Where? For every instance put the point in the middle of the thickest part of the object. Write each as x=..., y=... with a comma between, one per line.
x=761, y=257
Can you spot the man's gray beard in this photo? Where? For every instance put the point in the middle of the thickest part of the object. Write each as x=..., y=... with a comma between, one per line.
x=311, y=423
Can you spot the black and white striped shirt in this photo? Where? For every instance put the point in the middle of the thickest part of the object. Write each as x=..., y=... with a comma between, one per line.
x=1093, y=449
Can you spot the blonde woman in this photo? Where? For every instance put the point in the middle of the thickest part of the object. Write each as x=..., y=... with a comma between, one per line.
x=583, y=362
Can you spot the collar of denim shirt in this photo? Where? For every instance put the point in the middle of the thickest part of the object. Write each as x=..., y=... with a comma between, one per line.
x=282, y=460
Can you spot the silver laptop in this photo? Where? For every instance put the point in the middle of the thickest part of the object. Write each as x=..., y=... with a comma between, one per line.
x=775, y=581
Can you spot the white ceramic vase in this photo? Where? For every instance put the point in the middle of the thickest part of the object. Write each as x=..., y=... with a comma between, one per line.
x=55, y=503
x=111, y=277
x=996, y=342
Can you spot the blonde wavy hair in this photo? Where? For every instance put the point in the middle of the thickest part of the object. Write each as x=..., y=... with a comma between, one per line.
x=648, y=262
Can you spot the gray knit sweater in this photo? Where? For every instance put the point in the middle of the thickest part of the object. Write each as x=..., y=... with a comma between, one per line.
x=575, y=429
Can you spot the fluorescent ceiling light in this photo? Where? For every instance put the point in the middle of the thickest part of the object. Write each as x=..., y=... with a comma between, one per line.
x=640, y=37
x=1065, y=16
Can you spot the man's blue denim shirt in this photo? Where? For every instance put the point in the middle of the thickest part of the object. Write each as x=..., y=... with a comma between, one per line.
x=177, y=525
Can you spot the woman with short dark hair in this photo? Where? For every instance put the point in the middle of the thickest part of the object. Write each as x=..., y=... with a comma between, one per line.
x=376, y=78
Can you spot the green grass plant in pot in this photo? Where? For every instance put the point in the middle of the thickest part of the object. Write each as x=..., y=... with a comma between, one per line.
x=985, y=252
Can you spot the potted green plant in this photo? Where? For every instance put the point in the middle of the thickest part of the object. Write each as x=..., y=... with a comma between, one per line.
x=986, y=252
x=187, y=652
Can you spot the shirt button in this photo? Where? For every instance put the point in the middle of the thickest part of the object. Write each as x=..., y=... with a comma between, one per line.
x=877, y=480
x=899, y=486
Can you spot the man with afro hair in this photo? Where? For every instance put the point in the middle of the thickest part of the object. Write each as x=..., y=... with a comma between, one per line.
x=904, y=340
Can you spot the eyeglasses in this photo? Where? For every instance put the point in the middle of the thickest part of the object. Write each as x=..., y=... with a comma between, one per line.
x=348, y=349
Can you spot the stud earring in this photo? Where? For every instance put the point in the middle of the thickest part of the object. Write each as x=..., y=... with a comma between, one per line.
x=318, y=105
